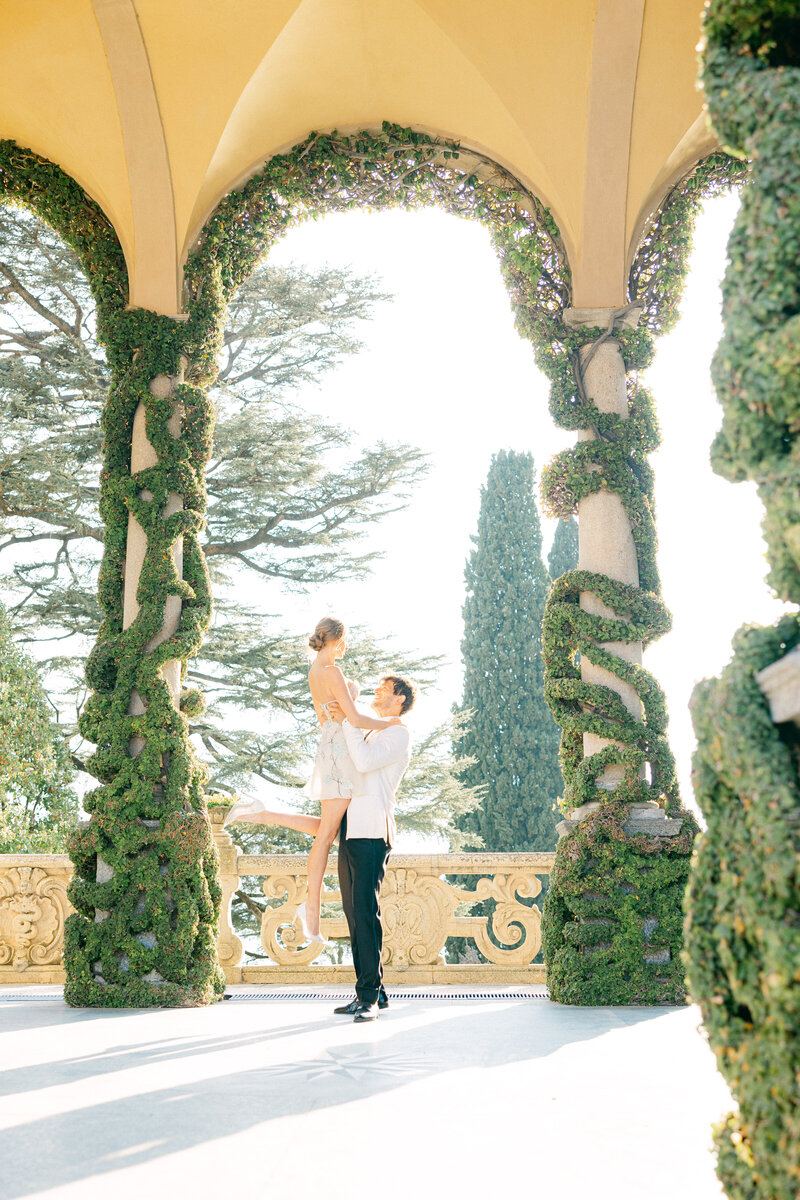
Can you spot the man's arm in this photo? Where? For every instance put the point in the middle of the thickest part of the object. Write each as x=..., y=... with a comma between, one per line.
x=391, y=746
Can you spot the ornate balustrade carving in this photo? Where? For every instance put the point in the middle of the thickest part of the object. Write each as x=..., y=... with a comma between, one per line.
x=421, y=909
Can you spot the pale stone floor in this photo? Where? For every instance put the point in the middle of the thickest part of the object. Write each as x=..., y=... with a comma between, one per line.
x=275, y=1097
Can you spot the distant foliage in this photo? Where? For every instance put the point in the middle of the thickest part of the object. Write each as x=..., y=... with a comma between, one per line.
x=508, y=729
x=38, y=805
x=743, y=904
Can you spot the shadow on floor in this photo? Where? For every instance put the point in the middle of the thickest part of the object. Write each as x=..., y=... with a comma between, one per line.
x=354, y=1065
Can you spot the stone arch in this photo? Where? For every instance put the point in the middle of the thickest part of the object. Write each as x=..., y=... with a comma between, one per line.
x=145, y=885
x=381, y=168
x=619, y=767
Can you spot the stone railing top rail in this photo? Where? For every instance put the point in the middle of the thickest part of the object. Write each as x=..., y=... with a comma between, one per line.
x=35, y=860
x=442, y=864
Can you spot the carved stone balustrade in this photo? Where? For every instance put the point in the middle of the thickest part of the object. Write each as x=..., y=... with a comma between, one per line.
x=420, y=910
x=425, y=900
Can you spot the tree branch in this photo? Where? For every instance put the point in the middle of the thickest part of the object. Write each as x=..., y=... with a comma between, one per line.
x=35, y=304
x=250, y=903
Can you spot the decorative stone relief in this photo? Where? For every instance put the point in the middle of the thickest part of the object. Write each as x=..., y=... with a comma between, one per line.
x=33, y=907
x=419, y=911
x=416, y=910
x=515, y=925
x=281, y=935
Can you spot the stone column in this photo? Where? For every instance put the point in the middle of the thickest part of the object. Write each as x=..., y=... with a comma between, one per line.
x=143, y=456
x=605, y=540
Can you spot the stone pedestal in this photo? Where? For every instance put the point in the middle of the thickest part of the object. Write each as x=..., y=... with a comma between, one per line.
x=780, y=684
x=229, y=946
x=649, y=819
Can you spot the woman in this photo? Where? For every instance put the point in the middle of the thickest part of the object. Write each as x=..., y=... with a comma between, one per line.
x=332, y=777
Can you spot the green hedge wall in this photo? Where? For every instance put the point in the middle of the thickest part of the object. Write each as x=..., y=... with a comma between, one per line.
x=743, y=916
x=743, y=903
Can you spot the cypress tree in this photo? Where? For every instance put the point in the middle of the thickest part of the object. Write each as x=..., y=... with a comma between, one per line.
x=509, y=731
x=38, y=805
x=564, y=550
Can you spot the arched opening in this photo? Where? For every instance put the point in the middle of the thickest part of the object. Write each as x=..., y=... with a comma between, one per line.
x=198, y=669
x=156, y=502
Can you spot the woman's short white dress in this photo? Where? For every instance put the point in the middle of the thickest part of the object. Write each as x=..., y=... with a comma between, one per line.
x=333, y=775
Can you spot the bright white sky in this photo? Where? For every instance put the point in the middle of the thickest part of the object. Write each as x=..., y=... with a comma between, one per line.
x=444, y=369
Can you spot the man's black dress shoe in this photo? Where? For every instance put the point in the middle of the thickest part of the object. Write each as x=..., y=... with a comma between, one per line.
x=366, y=1012
x=348, y=1010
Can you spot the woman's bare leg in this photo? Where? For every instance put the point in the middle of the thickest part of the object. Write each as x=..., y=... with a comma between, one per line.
x=332, y=813
x=297, y=821
x=252, y=811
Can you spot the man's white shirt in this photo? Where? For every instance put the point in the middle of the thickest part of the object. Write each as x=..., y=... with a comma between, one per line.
x=380, y=764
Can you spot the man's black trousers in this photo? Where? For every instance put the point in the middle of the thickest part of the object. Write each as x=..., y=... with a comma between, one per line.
x=362, y=866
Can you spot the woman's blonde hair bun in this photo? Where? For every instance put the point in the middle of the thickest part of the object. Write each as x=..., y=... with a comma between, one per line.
x=327, y=630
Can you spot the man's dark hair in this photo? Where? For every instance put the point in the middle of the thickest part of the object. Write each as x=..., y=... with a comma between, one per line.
x=401, y=687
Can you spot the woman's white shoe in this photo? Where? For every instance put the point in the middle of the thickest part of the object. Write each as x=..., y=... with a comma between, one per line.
x=251, y=804
x=310, y=937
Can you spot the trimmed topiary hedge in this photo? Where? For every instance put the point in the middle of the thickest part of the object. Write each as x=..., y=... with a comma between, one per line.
x=743, y=903
x=743, y=916
x=754, y=101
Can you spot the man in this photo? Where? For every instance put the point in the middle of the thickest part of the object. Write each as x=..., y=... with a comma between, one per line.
x=366, y=835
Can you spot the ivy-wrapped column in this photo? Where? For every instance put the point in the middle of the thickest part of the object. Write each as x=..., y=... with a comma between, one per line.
x=146, y=884
x=605, y=537
x=612, y=920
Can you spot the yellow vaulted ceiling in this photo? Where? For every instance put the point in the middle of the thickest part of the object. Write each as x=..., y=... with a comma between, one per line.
x=159, y=107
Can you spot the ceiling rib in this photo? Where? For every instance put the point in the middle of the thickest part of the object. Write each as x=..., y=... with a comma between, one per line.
x=154, y=277
x=599, y=275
